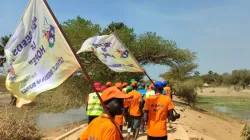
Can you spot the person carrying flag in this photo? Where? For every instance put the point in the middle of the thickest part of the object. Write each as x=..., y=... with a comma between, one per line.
x=102, y=127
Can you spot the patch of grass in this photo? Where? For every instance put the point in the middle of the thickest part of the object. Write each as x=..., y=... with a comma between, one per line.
x=236, y=103
x=237, y=106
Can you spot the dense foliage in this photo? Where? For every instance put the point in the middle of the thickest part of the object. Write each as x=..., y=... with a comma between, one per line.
x=236, y=77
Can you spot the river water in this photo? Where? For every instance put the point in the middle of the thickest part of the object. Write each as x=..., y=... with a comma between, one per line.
x=48, y=121
x=238, y=113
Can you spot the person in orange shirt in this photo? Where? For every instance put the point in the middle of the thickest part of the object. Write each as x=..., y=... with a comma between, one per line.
x=119, y=118
x=108, y=84
x=167, y=89
x=134, y=106
x=156, y=110
x=102, y=127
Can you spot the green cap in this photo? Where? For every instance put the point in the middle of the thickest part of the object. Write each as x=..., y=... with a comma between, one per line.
x=132, y=80
x=129, y=89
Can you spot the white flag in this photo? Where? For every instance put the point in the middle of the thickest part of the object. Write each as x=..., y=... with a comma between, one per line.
x=110, y=50
x=39, y=56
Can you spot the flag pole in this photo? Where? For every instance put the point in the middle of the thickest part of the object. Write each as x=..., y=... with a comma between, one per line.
x=83, y=69
x=144, y=71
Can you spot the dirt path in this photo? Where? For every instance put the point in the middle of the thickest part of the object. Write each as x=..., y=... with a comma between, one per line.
x=192, y=125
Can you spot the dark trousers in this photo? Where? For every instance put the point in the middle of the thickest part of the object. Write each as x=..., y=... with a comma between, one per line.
x=91, y=118
x=157, y=138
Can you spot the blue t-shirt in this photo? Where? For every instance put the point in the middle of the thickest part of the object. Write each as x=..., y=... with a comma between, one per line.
x=163, y=92
x=143, y=92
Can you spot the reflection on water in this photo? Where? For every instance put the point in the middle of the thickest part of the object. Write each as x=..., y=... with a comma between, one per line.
x=242, y=114
x=223, y=109
x=48, y=121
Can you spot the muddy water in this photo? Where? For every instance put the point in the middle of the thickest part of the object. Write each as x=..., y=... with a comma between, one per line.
x=48, y=121
x=242, y=114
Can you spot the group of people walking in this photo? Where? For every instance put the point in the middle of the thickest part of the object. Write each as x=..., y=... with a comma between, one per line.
x=132, y=105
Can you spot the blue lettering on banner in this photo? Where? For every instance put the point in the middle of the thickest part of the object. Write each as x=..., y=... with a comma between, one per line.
x=107, y=55
x=45, y=78
x=38, y=55
x=104, y=45
x=120, y=65
x=27, y=40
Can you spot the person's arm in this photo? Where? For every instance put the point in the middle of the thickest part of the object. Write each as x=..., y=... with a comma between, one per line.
x=171, y=115
x=146, y=110
x=87, y=100
x=170, y=109
x=145, y=116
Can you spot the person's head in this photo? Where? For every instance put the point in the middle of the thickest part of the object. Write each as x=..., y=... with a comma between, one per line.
x=165, y=83
x=124, y=85
x=113, y=99
x=131, y=80
x=129, y=89
x=97, y=86
x=141, y=86
x=119, y=85
x=108, y=84
x=103, y=88
x=158, y=87
x=134, y=85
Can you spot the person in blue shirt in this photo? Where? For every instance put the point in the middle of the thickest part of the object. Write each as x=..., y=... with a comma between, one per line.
x=143, y=91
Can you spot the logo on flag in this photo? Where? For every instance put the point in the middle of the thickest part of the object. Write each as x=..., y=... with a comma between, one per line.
x=124, y=54
x=49, y=32
x=12, y=74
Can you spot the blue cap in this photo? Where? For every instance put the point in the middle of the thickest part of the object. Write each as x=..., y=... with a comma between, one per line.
x=159, y=84
x=164, y=83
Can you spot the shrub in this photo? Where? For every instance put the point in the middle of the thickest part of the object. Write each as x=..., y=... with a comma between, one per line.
x=13, y=128
x=187, y=90
x=245, y=134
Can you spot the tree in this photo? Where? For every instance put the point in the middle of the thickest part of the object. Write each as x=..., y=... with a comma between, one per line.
x=3, y=42
x=196, y=73
x=210, y=72
x=147, y=48
x=241, y=77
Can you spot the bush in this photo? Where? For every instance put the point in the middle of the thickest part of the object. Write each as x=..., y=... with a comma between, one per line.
x=12, y=128
x=245, y=134
x=187, y=90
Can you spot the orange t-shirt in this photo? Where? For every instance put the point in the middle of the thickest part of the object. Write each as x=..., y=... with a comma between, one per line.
x=119, y=119
x=167, y=90
x=158, y=106
x=101, y=128
x=134, y=103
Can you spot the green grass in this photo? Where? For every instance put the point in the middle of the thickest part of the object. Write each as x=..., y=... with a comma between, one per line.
x=236, y=103
x=239, y=105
